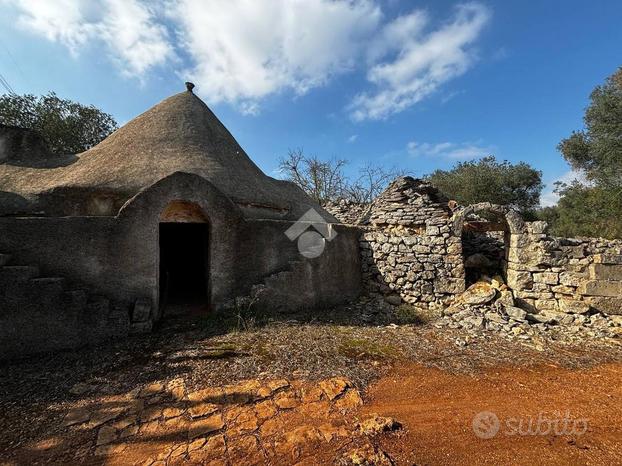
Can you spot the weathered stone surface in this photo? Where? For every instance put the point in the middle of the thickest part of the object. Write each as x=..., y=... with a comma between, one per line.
x=107, y=434
x=367, y=455
x=202, y=409
x=334, y=387
x=613, y=259
x=545, y=317
x=605, y=272
x=495, y=317
x=519, y=280
x=266, y=409
x=606, y=305
x=151, y=390
x=516, y=313
x=350, y=400
x=450, y=286
x=205, y=426
x=548, y=278
x=571, y=306
x=601, y=288
x=376, y=424
x=479, y=293
x=505, y=298
x=286, y=400
x=171, y=412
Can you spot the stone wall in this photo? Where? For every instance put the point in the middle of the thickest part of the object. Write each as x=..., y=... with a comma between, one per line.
x=567, y=275
x=408, y=252
x=348, y=212
x=412, y=250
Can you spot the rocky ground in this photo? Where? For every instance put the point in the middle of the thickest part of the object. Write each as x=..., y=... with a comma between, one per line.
x=267, y=390
x=488, y=307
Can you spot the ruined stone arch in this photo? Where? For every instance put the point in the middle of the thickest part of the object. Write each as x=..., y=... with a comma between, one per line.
x=514, y=221
x=486, y=243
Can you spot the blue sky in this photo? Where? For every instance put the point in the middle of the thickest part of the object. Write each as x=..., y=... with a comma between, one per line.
x=412, y=84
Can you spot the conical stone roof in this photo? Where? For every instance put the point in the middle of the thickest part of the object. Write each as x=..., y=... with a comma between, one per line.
x=179, y=134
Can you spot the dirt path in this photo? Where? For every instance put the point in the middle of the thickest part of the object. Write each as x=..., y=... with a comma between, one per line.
x=296, y=393
x=438, y=408
x=298, y=422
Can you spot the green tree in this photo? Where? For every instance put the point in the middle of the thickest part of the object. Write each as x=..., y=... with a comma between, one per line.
x=487, y=180
x=597, y=149
x=66, y=126
x=585, y=211
x=594, y=209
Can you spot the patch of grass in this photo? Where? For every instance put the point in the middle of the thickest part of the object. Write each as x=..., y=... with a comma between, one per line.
x=364, y=348
x=260, y=349
x=223, y=351
x=407, y=314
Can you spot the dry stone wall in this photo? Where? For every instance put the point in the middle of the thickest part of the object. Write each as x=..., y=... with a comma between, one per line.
x=565, y=275
x=411, y=247
x=408, y=252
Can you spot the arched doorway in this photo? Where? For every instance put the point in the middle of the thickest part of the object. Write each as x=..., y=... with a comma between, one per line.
x=486, y=230
x=184, y=258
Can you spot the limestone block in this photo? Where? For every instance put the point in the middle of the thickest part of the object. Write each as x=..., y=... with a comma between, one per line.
x=571, y=278
x=536, y=228
x=519, y=241
x=549, y=278
x=541, y=288
x=449, y=286
x=574, y=252
x=564, y=289
x=605, y=272
x=516, y=313
x=432, y=230
x=454, y=248
x=573, y=306
x=519, y=280
x=546, y=305
x=606, y=305
x=615, y=259
x=601, y=288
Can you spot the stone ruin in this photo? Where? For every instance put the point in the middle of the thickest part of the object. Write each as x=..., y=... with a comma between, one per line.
x=166, y=214
x=419, y=248
x=169, y=209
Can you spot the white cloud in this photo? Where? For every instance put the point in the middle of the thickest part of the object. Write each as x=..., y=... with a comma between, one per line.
x=353, y=138
x=550, y=198
x=416, y=64
x=129, y=28
x=450, y=150
x=61, y=21
x=243, y=50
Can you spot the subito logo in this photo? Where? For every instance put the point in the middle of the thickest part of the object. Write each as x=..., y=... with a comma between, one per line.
x=486, y=424
x=312, y=232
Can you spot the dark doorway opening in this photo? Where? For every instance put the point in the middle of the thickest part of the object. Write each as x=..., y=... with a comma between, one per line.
x=485, y=248
x=183, y=265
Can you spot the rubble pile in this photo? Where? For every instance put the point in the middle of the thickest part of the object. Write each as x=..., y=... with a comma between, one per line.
x=488, y=305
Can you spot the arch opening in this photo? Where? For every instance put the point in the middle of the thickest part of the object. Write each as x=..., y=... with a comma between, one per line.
x=184, y=258
x=485, y=230
x=485, y=246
